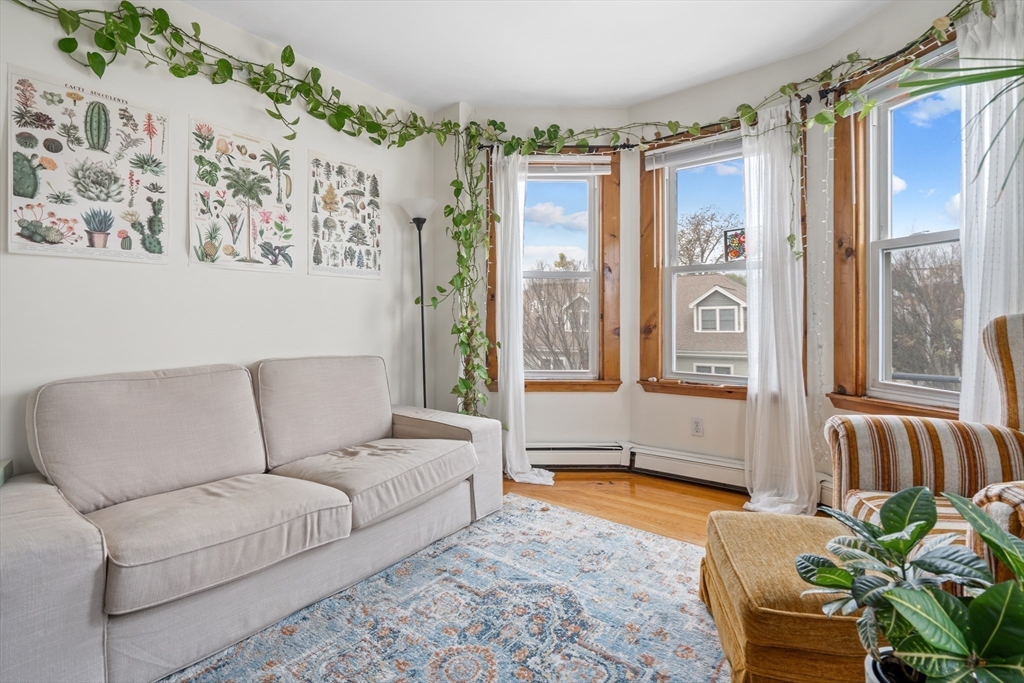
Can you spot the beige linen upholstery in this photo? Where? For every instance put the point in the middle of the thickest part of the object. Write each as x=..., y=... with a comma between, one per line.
x=51, y=587
x=387, y=476
x=310, y=406
x=149, y=644
x=113, y=438
x=769, y=631
x=483, y=433
x=174, y=544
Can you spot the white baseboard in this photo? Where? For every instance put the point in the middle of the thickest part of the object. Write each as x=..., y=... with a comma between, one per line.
x=578, y=455
x=690, y=465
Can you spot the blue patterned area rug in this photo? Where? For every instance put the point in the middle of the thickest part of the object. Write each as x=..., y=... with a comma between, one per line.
x=534, y=592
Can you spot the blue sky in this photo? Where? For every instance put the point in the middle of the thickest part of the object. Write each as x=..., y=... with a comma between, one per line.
x=926, y=161
x=555, y=221
x=718, y=185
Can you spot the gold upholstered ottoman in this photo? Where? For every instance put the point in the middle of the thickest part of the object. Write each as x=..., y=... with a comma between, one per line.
x=769, y=633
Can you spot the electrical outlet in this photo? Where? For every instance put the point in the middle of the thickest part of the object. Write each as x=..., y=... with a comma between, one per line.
x=697, y=426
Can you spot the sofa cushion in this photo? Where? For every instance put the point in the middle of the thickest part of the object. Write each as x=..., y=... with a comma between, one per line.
x=174, y=544
x=867, y=506
x=109, y=439
x=385, y=477
x=309, y=406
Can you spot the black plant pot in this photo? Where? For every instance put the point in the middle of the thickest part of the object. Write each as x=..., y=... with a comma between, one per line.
x=889, y=669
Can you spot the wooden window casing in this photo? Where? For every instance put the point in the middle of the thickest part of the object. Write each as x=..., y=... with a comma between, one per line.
x=851, y=253
x=608, y=284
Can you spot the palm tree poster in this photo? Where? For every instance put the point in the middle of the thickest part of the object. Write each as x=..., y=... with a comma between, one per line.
x=344, y=219
x=240, y=208
x=87, y=173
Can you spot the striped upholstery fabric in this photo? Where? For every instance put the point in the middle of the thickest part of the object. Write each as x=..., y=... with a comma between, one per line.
x=889, y=453
x=867, y=505
x=1004, y=503
x=1004, y=343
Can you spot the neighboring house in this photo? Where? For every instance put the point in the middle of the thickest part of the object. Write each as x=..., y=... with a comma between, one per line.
x=711, y=324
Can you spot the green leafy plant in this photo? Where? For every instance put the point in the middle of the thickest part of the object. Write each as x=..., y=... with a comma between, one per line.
x=98, y=220
x=275, y=253
x=895, y=573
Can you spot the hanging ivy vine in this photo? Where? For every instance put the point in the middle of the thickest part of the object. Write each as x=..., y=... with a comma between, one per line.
x=151, y=34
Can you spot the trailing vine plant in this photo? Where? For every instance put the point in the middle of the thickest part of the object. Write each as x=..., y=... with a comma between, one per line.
x=151, y=34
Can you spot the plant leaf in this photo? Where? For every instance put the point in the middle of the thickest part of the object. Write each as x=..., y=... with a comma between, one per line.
x=867, y=631
x=932, y=623
x=97, y=63
x=997, y=621
x=807, y=565
x=916, y=504
x=288, y=56
x=869, y=590
x=1001, y=670
x=69, y=20
x=67, y=45
x=957, y=560
x=832, y=577
x=1007, y=548
x=929, y=660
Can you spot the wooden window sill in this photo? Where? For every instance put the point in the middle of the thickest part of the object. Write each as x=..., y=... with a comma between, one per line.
x=732, y=392
x=877, y=406
x=570, y=385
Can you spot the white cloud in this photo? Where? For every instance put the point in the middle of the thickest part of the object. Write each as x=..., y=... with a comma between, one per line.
x=728, y=169
x=928, y=193
x=927, y=110
x=898, y=184
x=953, y=208
x=547, y=213
x=533, y=254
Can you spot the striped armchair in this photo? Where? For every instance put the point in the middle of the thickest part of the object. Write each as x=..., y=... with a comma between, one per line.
x=876, y=456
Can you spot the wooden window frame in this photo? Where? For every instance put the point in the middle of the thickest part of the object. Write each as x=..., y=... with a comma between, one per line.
x=608, y=284
x=851, y=254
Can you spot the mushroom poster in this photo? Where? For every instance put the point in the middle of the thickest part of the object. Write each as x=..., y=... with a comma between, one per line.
x=88, y=173
x=241, y=201
x=344, y=219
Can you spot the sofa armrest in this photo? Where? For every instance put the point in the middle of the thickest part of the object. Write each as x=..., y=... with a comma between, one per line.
x=52, y=576
x=890, y=453
x=1005, y=504
x=482, y=432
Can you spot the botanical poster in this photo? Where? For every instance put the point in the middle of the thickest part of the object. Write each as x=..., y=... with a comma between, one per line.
x=344, y=219
x=240, y=206
x=88, y=173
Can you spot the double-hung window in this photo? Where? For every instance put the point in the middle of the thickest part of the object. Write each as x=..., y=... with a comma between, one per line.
x=704, y=293
x=915, y=308
x=561, y=257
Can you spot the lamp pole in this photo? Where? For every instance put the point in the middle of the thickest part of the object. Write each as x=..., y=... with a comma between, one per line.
x=419, y=221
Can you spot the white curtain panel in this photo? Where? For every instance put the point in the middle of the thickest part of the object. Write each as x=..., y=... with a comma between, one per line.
x=992, y=215
x=779, y=463
x=509, y=187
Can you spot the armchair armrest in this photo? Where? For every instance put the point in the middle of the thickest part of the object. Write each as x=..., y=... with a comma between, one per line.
x=889, y=453
x=482, y=432
x=52, y=576
x=1005, y=504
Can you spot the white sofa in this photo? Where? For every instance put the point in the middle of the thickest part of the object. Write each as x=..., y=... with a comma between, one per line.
x=176, y=512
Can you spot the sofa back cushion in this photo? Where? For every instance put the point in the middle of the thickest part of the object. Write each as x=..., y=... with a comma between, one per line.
x=113, y=438
x=310, y=406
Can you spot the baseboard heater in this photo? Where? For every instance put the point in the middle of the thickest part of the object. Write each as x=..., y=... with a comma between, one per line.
x=609, y=454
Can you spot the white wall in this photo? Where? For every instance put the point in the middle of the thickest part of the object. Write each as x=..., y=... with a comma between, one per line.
x=63, y=317
x=661, y=420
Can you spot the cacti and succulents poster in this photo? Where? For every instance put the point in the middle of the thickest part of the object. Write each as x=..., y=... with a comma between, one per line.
x=344, y=219
x=241, y=200
x=81, y=172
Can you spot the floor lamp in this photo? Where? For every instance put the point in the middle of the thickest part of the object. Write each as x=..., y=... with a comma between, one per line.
x=418, y=210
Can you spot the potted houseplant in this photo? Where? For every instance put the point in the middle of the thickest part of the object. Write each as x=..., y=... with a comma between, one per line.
x=98, y=223
x=895, y=573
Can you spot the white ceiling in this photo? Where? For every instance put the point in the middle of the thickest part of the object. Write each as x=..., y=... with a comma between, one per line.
x=554, y=53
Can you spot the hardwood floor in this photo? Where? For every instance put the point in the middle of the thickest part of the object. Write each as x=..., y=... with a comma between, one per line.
x=662, y=506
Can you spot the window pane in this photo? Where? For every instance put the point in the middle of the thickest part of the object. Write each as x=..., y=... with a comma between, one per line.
x=691, y=291
x=927, y=316
x=556, y=324
x=926, y=158
x=723, y=370
x=702, y=368
x=709, y=220
x=556, y=232
x=707, y=319
x=727, y=320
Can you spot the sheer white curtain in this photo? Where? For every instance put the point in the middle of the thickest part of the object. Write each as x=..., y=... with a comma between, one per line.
x=509, y=187
x=992, y=218
x=779, y=463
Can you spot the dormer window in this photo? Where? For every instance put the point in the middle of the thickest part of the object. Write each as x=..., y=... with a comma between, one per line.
x=717, y=319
